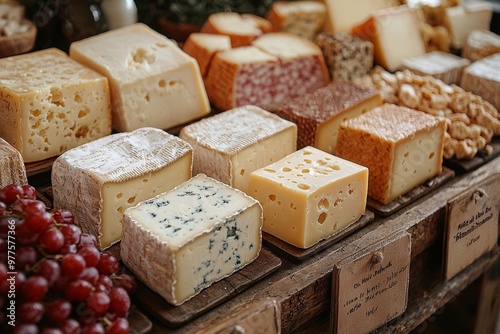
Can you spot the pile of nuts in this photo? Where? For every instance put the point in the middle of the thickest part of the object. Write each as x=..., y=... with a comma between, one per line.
x=12, y=18
x=471, y=121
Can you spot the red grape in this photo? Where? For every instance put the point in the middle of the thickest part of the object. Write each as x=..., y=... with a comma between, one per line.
x=39, y=222
x=71, y=233
x=62, y=216
x=50, y=270
x=50, y=330
x=3, y=208
x=87, y=240
x=104, y=283
x=35, y=288
x=125, y=281
x=90, y=274
x=108, y=264
x=52, y=240
x=98, y=302
x=70, y=326
x=72, y=265
x=119, y=302
x=95, y=328
x=25, y=257
x=29, y=313
x=10, y=193
x=119, y=326
x=91, y=255
x=29, y=191
x=58, y=310
x=25, y=329
x=78, y=290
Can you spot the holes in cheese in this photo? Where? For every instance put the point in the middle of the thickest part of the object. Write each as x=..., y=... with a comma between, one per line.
x=326, y=193
x=101, y=179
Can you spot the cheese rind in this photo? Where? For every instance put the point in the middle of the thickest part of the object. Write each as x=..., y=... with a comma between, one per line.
x=481, y=44
x=462, y=20
x=441, y=65
x=49, y=103
x=232, y=144
x=101, y=179
x=318, y=114
x=12, y=169
x=395, y=35
x=153, y=82
x=309, y=195
x=192, y=236
x=401, y=147
x=203, y=47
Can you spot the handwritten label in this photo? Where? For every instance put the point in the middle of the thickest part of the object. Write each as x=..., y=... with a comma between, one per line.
x=472, y=226
x=371, y=288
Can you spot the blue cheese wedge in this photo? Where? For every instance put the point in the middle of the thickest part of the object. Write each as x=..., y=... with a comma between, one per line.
x=101, y=179
x=186, y=239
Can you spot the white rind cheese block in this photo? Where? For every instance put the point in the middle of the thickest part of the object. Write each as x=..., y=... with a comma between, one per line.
x=49, y=103
x=278, y=66
x=401, y=147
x=309, y=195
x=343, y=15
x=203, y=47
x=462, y=20
x=481, y=44
x=153, y=82
x=482, y=78
x=302, y=18
x=100, y=180
x=395, y=35
x=184, y=240
x=12, y=169
x=232, y=144
x=444, y=66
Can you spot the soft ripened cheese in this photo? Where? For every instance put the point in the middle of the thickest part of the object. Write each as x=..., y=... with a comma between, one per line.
x=309, y=195
x=482, y=78
x=469, y=16
x=203, y=47
x=480, y=44
x=395, y=35
x=318, y=114
x=12, y=169
x=444, y=66
x=242, y=29
x=303, y=18
x=232, y=144
x=343, y=15
x=186, y=239
x=49, y=103
x=98, y=181
x=401, y=147
x=278, y=66
x=153, y=82
x=347, y=56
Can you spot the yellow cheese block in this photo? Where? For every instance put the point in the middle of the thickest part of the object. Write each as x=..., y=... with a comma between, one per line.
x=309, y=195
x=49, y=103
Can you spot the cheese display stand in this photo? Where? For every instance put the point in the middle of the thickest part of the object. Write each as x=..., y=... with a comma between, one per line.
x=395, y=234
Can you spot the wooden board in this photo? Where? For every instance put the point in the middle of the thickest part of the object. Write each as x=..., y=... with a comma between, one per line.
x=463, y=166
x=174, y=316
x=296, y=254
x=410, y=197
x=139, y=323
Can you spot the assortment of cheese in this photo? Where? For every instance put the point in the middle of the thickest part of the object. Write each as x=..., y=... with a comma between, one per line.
x=304, y=130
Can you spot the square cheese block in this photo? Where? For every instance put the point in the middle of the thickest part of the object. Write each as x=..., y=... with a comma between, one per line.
x=184, y=240
x=401, y=147
x=99, y=180
x=232, y=144
x=242, y=29
x=482, y=78
x=153, y=82
x=343, y=15
x=278, y=66
x=347, y=56
x=444, y=66
x=302, y=18
x=203, y=47
x=481, y=44
x=463, y=19
x=49, y=103
x=12, y=169
x=309, y=195
x=395, y=34
x=318, y=114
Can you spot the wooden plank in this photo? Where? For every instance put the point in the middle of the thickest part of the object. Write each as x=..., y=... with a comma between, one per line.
x=463, y=166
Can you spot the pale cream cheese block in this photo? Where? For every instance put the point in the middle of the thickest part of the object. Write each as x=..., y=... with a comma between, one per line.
x=184, y=240
x=232, y=144
x=153, y=82
x=12, y=169
x=99, y=180
x=401, y=147
x=482, y=78
x=444, y=66
x=395, y=35
x=49, y=103
x=463, y=19
x=309, y=195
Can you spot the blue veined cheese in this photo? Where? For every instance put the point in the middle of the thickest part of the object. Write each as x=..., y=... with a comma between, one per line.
x=101, y=179
x=232, y=144
x=12, y=169
x=152, y=81
x=186, y=239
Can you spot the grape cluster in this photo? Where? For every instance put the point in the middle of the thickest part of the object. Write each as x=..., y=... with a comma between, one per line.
x=55, y=277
